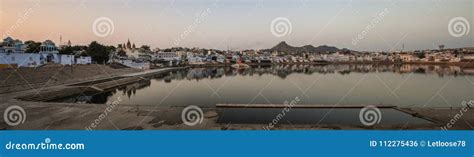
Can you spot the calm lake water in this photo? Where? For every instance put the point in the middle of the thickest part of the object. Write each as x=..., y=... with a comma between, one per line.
x=401, y=85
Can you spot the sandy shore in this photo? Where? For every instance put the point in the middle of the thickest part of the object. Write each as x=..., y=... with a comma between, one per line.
x=13, y=80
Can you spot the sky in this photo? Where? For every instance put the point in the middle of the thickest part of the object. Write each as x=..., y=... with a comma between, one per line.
x=364, y=25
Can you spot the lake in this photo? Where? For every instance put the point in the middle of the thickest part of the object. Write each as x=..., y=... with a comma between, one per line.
x=344, y=84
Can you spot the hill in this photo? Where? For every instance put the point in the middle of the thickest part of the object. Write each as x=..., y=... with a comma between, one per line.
x=284, y=47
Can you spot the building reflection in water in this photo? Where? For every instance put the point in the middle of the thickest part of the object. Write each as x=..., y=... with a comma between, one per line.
x=102, y=97
x=281, y=71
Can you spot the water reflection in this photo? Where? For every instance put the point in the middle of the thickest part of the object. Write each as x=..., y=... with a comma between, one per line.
x=385, y=84
x=102, y=97
x=283, y=71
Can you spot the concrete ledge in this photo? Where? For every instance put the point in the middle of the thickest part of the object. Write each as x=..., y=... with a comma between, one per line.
x=296, y=106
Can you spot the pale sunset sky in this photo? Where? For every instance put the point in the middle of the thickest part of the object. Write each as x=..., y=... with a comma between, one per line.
x=242, y=24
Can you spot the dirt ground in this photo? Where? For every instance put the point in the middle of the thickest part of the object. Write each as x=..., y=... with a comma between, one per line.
x=18, y=79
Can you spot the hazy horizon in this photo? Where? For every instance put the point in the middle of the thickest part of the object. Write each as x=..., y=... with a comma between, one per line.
x=243, y=24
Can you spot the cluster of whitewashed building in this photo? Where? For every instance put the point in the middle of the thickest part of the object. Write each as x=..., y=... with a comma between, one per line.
x=212, y=57
x=129, y=55
x=462, y=55
x=12, y=53
x=132, y=56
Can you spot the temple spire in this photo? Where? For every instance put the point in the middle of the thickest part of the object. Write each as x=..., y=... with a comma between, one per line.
x=129, y=46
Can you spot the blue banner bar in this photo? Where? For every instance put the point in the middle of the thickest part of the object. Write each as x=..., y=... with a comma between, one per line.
x=237, y=143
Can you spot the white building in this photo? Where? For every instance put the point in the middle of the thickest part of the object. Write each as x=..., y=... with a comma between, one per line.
x=133, y=64
x=20, y=59
x=10, y=45
x=220, y=58
x=406, y=57
x=166, y=56
x=12, y=54
x=181, y=54
x=195, y=59
x=67, y=59
x=49, y=51
x=468, y=54
x=84, y=60
x=131, y=53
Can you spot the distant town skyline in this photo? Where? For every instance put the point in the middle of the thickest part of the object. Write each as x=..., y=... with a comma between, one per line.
x=364, y=25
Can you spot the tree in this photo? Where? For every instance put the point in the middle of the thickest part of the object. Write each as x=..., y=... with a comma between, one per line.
x=79, y=48
x=121, y=52
x=420, y=55
x=456, y=53
x=111, y=48
x=66, y=50
x=32, y=46
x=145, y=47
x=98, y=52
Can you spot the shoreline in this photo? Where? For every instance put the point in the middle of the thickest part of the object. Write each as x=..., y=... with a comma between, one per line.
x=460, y=64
